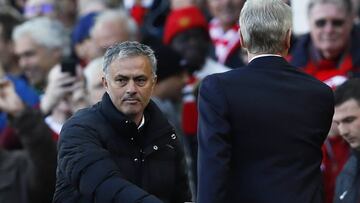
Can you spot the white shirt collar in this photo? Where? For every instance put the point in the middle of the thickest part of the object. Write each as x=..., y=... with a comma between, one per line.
x=263, y=55
x=142, y=122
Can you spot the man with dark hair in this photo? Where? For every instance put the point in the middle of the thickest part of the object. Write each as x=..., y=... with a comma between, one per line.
x=122, y=149
x=261, y=127
x=347, y=119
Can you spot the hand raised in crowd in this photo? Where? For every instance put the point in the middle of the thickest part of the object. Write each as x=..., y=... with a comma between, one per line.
x=10, y=102
x=59, y=85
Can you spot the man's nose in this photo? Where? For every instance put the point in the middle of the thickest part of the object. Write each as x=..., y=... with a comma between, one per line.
x=131, y=87
x=328, y=27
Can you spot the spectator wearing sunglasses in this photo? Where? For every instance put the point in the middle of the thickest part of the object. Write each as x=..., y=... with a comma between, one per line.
x=328, y=52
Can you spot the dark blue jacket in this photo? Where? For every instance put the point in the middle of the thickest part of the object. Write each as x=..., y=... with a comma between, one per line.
x=261, y=128
x=103, y=157
x=348, y=181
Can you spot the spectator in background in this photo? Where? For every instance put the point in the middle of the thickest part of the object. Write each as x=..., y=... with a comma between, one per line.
x=171, y=79
x=329, y=51
x=9, y=18
x=186, y=32
x=63, y=10
x=336, y=152
x=122, y=149
x=27, y=175
x=223, y=30
x=85, y=7
x=40, y=44
x=347, y=120
x=83, y=46
x=257, y=143
x=93, y=79
x=113, y=26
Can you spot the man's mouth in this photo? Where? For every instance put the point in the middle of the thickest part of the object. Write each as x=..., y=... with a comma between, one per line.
x=131, y=100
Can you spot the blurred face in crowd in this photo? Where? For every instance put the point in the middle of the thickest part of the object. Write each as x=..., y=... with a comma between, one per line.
x=87, y=50
x=35, y=60
x=34, y=8
x=109, y=33
x=192, y=45
x=130, y=83
x=347, y=119
x=227, y=11
x=330, y=27
x=95, y=87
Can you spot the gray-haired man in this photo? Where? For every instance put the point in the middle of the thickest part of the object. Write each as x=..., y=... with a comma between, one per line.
x=122, y=149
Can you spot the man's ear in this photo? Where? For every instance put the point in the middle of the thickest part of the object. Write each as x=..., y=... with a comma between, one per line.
x=155, y=80
x=104, y=82
x=242, y=39
x=288, y=39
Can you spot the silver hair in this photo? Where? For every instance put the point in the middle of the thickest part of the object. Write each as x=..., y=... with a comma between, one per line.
x=264, y=25
x=345, y=4
x=46, y=32
x=128, y=49
x=116, y=15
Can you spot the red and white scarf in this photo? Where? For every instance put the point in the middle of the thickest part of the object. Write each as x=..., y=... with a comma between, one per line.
x=225, y=42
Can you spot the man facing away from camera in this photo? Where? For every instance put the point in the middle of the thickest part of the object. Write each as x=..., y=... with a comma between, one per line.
x=261, y=127
x=122, y=149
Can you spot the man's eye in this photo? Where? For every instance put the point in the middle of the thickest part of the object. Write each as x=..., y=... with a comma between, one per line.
x=140, y=81
x=349, y=120
x=121, y=81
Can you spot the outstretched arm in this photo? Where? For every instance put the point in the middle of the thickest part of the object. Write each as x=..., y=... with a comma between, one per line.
x=90, y=168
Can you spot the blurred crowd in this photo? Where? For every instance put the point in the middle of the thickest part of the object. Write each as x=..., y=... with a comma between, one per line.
x=51, y=66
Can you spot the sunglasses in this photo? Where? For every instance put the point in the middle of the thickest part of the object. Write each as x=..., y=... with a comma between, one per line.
x=320, y=23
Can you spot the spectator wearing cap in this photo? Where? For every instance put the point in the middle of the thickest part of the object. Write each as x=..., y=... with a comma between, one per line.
x=186, y=32
x=83, y=46
x=223, y=30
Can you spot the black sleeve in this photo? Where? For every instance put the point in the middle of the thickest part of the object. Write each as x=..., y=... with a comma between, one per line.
x=89, y=167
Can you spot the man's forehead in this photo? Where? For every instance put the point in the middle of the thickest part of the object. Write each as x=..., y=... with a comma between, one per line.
x=328, y=10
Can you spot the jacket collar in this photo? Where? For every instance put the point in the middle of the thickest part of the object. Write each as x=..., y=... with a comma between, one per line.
x=269, y=62
x=155, y=122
